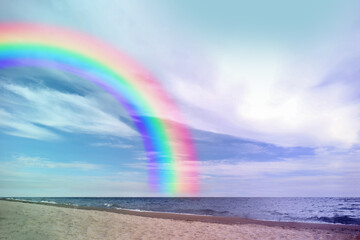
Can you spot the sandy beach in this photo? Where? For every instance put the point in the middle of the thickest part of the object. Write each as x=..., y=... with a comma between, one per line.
x=19, y=220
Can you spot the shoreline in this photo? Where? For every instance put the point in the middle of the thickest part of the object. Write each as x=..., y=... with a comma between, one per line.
x=208, y=219
x=42, y=221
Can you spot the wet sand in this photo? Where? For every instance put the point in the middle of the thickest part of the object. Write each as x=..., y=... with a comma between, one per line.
x=19, y=220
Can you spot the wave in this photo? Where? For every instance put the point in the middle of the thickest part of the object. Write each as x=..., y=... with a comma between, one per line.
x=49, y=202
x=204, y=212
x=211, y=212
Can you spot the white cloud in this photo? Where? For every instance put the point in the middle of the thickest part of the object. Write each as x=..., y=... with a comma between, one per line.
x=17, y=180
x=59, y=185
x=331, y=172
x=111, y=144
x=275, y=96
x=33, y=107
x=325, y=162
x=44, y=163
x=17, y=127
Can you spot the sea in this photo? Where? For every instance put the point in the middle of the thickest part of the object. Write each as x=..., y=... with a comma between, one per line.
x=292, y=209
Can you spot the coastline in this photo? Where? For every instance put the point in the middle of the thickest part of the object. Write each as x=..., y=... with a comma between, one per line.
x=339, y=231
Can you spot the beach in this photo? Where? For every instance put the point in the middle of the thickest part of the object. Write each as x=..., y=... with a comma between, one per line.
x=20, y=220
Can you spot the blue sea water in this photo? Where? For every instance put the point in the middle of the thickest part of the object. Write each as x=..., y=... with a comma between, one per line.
x=318, y=210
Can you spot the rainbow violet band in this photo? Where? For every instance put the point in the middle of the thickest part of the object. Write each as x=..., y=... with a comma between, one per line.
x=171, y=158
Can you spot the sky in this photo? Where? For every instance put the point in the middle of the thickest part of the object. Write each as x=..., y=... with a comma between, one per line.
x=269, y=89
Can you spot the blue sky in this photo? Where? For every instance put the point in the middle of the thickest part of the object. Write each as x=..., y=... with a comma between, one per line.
x=270, y=91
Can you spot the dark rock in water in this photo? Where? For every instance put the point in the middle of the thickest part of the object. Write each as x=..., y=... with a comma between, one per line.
x=340, y=219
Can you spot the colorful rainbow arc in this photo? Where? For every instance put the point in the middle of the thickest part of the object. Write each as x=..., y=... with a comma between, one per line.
x=172, y=165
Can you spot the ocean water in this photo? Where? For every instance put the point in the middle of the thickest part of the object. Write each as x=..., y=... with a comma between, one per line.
x=316, y=210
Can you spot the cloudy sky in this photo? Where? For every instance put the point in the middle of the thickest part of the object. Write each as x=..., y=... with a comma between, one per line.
x=269, y=89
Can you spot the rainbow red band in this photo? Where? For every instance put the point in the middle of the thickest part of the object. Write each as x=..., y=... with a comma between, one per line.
x=172, y=165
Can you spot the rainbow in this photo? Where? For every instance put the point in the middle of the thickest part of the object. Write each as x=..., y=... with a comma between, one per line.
x=171, y=159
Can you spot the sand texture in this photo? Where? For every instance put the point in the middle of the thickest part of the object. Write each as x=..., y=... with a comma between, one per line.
x=35, y=221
